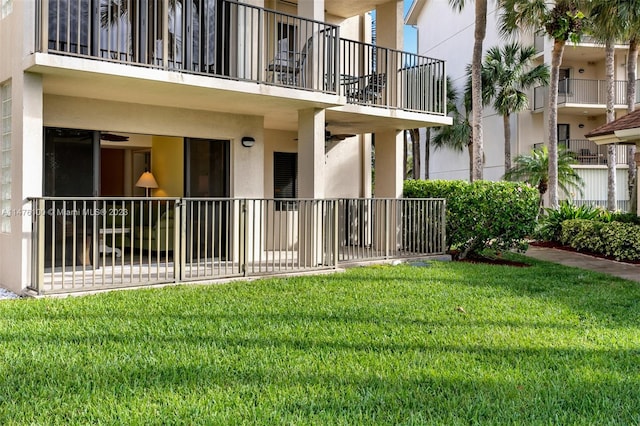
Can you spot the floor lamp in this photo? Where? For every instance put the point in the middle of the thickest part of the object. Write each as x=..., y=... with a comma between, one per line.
x=147, y=181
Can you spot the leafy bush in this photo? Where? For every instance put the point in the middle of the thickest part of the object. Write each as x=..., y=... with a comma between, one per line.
x=582, y=235
x=625, y=218
x=482, y=214
x=621, y=240
x=616, y=239
x=550, y=224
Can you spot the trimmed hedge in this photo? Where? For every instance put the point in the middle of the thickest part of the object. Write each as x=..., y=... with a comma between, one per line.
x=616, y=239
x=482, y=214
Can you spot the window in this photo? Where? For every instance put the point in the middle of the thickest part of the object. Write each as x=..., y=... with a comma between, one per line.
x=6, y=7
x=5, y=157
x=285, y=178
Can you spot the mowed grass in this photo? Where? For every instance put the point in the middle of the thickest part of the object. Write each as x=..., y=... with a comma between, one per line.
x=377, y=345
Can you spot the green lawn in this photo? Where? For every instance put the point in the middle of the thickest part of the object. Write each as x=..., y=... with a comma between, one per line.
x=379, y=345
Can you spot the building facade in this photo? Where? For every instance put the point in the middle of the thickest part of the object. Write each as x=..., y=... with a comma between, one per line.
x=249, y=100
x=581, y=101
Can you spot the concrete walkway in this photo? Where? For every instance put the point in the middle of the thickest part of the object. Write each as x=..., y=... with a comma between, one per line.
x=619, y=269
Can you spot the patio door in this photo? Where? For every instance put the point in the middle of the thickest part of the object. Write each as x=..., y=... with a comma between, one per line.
x=207, y=177
x=70, y=170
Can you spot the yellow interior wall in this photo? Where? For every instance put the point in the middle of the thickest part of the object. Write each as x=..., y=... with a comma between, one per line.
x=167, y=165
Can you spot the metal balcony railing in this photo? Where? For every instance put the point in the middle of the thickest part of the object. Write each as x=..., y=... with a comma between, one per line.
x=222, y=38
x=85, y=244
x=589, y=153
x=580, y=91
x=382, y=77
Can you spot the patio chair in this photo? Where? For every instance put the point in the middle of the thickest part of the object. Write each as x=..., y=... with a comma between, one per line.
x=372, y=92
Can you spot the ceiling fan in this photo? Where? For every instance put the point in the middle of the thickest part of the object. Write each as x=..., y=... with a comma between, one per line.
x=112, y=137
x=335, y=137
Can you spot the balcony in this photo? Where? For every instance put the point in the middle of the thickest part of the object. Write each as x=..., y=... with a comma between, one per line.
x=236, y=41
x=579, y=92
x=588, y=153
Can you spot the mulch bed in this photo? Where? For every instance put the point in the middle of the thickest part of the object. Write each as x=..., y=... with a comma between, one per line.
x=488, y=260
x=556, y=245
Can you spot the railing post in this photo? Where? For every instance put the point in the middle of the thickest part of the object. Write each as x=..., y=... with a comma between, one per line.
x=336, y=234
x=387, y=227
x=44, y=25
x=177, y=255
x=443, y=225
x=242, y=238
x=182, y=254
x=37, y=244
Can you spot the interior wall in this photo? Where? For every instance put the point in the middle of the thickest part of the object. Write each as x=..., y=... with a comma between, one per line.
x=167, y=166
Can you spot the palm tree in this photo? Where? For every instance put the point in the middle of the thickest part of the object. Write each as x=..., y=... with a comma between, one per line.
x=534, y=169
x=508, y=73
x=605, y=26
x=457, y=136
x=562, y=20
x=476, y=84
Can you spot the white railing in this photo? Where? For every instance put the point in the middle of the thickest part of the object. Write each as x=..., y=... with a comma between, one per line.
x=85, y=244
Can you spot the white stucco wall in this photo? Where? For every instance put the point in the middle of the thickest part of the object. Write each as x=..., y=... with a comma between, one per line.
x=448, y=35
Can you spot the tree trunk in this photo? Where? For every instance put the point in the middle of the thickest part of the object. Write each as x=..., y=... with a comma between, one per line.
x=476, y=88
x=470, y=148
x=556, y=60
x=427, y=152
x=506, y=121
x=406, y=155
x=415, y=148
x=632, y=63
x=611, y=115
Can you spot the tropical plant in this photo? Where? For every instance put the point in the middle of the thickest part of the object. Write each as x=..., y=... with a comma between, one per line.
x=550, y=224
x=534, y=169
x=457, y=136
x=562, y=21
x=477, y=161
x=507, y=73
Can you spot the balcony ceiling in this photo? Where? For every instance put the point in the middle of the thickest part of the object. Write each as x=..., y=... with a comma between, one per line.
x=347, y=8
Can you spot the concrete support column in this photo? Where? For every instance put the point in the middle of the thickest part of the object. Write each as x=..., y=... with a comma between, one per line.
x=365, y=144
x=390, y=24
x=311, y=183
x=388, y=165
x=311, y=9
x=311, y=157
x=27, y=146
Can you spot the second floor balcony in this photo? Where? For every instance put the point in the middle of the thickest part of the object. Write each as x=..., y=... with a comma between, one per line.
x=582, y=92
x=231, y=40
x=588, y=153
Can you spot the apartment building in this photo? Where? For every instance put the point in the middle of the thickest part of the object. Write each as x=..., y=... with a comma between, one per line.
x=255, y=121
x=581, y=105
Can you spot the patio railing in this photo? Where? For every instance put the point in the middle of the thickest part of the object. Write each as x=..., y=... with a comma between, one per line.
x=85, y=244
x=580, y=91
x=378, y=76
x=225, y=39
x=587, y=152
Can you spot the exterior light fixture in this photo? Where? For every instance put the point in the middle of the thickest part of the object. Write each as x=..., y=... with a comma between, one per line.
x=248, y=141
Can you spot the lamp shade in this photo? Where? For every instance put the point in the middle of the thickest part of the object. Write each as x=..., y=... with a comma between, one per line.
x=147, y=180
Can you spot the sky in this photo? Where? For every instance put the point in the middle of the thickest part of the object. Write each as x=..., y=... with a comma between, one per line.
x=410, y=33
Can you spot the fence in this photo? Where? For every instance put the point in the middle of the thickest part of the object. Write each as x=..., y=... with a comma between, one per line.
x=85, y=244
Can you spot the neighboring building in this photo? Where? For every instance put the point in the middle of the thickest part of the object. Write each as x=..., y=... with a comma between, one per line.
x=447, y=34
x=229, y=105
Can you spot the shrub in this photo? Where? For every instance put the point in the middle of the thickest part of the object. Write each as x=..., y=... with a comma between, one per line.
x=550, y=224
x=582, y=235
x=616, y=239
x=625, y=218
x=621, y=240
x=482, y=214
